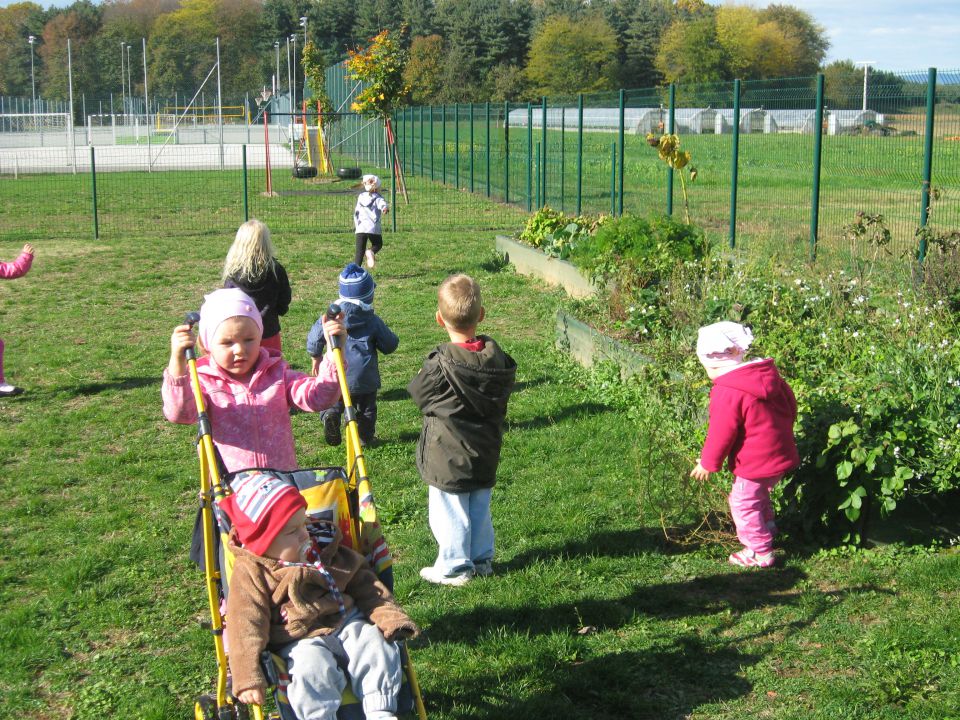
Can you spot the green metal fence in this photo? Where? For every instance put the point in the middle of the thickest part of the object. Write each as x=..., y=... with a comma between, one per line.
x=764, y=172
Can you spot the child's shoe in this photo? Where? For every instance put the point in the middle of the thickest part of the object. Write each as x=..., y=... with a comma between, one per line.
x=8, y=390
x=331, y=428
x=748, y=558
x=432, y=574
x=483, y=568
x=370, y=258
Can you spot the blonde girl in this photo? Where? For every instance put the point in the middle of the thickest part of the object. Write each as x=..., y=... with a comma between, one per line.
x=252, y=267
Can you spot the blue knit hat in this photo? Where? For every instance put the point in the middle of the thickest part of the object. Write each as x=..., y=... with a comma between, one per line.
x=356, y=284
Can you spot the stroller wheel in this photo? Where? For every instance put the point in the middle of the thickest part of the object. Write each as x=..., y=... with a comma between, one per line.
x=205, y=708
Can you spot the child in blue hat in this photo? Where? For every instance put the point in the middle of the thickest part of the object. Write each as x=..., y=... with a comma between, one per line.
x=367, y=335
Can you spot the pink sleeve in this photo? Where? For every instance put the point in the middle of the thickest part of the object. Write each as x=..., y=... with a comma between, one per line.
x=179, y=405
x=17, y=268
x=313, y=394
x=725, y=422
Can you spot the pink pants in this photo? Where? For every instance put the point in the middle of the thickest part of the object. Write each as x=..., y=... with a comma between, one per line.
x=1, y=363
x=752, y=512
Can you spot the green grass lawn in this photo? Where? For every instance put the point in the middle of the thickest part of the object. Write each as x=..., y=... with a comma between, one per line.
x=591, y=612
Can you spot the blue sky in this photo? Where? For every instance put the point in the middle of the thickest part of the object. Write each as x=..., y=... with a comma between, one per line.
x=896, y=34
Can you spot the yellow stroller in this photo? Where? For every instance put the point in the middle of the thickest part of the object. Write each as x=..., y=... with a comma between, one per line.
x=339, y=494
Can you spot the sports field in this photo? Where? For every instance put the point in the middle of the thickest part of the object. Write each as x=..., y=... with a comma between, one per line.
x=182, y=189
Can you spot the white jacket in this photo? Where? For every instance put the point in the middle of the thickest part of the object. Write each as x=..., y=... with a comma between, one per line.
x=366, y=215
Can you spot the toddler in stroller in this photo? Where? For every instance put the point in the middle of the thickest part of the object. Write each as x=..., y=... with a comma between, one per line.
x=310, y=599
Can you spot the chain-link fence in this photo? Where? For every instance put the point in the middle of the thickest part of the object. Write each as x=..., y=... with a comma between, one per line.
x=763, y=172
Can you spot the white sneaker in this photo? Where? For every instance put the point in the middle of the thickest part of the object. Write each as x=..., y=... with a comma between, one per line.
x=432, y=574
x=8, y=390
x=370, y=258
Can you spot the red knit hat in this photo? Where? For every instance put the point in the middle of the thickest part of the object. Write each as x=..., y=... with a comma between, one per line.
x=261, y=504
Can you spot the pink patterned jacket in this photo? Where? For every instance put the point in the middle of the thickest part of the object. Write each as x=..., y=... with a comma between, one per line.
x=17, y=268
x=251, y=422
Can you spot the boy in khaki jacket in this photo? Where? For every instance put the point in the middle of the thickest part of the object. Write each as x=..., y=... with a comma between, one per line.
x=308, y=603
x=462, y=391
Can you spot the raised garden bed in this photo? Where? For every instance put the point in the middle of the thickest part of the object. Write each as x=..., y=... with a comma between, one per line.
x=530, y=261
x=589, y=347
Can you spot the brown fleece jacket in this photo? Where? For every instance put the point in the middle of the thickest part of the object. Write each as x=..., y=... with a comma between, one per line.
x=270, y=605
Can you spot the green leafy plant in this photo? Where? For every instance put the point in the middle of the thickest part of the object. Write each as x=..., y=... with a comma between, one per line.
x=557, y=234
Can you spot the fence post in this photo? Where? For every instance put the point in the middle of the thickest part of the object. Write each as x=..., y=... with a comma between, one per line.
x=393, y=189
x=927, y=159
x=443, y=143
x=734, y=163
x=613, y=178
x=817, y=156
x=529, y=156
x=246, y=205
x=623, y=97
x=579, y=153
x=471, y=146
x=431, y=142
x=456, y=146
x=420, y=111
x=542, y=163
x=506, y=152
x=670, y=127
x=402, y=131
x=563, y=138
x=487, y=110
x=93, y=187
x=539, y=167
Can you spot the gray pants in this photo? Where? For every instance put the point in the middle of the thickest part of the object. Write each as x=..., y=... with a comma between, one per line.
x=317, y=682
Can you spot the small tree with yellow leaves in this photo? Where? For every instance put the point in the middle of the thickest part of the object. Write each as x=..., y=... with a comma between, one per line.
x=668, y=148
x=379, y=68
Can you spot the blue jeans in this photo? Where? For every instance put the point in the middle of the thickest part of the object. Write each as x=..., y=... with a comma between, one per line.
x=463, y=528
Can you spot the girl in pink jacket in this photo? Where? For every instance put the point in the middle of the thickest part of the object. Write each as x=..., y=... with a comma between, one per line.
x=247, y=389
x=10, y=271
x=752, y=411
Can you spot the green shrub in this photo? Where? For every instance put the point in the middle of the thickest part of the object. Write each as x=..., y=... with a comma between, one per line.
x=557, y=234
x=636, y=252
x=875, y=368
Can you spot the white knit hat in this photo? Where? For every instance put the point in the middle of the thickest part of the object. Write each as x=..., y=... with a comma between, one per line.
x=723, y=344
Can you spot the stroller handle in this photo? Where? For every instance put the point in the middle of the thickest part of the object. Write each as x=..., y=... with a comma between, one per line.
x=332, y=313
x=191, y=319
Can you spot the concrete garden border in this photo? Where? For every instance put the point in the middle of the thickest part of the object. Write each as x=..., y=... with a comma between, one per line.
x=589, y=347
x=584, y=344
x=530, y=261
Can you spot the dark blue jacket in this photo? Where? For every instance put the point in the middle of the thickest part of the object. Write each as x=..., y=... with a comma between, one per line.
x=366, y=335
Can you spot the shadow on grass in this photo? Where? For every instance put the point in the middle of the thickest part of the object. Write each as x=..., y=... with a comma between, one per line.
x=129, y=383
x=610, y=543
x=571, y=411
x=669, y=680
x=663, y=684
x=393, y=394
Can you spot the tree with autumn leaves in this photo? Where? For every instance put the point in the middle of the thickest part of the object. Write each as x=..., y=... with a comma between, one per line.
x=379, y=68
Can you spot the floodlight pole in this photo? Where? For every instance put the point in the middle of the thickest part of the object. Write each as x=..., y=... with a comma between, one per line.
x=276, y=88
x=276, y=76
x=72, y=140
x=129, y=81
x=219, y=104
x=146, y=96
x=123, y=79
x=293, y=100
x=866, y=74
x=303, y=22
x=33, y=80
